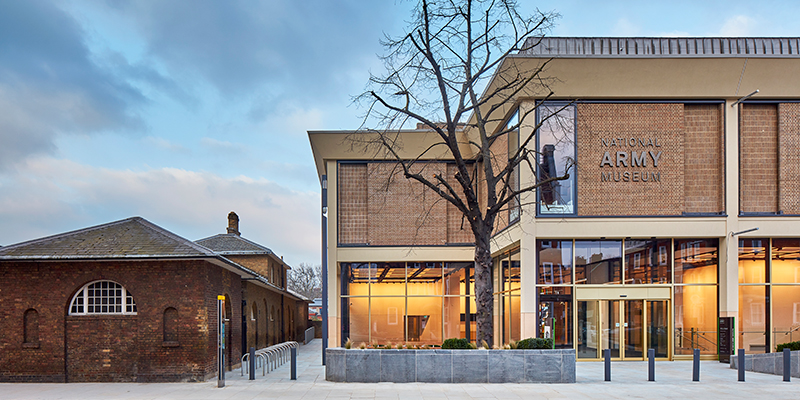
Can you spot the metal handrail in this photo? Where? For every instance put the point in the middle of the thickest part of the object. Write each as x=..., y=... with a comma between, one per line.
x=695, y=336
x=268, y=358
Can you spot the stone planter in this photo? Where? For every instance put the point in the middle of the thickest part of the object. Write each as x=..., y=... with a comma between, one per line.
x=768, y=363
x=450, y=366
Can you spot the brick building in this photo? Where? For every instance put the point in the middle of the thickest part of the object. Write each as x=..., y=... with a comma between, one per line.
x=126, y=301
x=676, y=149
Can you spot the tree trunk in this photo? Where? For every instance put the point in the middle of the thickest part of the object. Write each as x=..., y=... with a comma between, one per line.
x=484, y=299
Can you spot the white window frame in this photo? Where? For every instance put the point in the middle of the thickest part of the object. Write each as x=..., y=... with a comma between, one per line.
x=81, y=296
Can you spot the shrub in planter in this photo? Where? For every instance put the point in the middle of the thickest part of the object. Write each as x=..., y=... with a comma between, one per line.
x=791, y=346
x=535, y=343
x=461, y=344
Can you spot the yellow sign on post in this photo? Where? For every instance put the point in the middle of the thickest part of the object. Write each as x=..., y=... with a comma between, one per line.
x=220, y=297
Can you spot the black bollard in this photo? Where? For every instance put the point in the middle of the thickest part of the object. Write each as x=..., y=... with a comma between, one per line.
x=787, y=365
x=252, y=363
x=696, y=365
x=294, y=363
x=651, y=365
x=607, y=364
x=740, y=354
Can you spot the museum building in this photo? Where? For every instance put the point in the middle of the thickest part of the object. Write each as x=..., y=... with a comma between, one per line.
x=681, y=208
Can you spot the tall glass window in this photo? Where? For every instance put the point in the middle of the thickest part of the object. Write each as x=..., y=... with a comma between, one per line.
x=555, y=145
x=598, y=262
x=555, y=262
x=648, y=261
x=508, y=268
x=696, y=261
x=414, y=302
x=513, y=146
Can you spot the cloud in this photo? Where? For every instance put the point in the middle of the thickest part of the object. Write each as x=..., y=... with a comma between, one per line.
x=50, y=196
x=290, y=49
x=49, y=84
x=224, y=146
x=165, y=144
x=738, y=25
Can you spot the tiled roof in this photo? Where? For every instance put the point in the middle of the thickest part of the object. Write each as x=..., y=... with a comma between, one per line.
x=655, y=47
x=233, y=244
x=128, y=238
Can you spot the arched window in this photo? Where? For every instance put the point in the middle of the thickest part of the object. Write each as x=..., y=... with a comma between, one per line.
x=170, y=326
x=30, y=328
x=102, y=297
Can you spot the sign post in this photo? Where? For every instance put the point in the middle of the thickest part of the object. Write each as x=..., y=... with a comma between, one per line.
x=726, y=339
x=221, y=341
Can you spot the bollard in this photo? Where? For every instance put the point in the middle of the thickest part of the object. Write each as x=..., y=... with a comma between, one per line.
x=607, y=364
x=696, y=365
x=651, y=365
x=252, y=363
x=294, y=363
x=740, y=354
x=787, y=365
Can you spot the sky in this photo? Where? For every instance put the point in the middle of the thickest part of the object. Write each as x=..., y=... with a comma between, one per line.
x=182, y=111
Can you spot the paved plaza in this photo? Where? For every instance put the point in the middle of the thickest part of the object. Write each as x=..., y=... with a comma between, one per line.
x=629, y=380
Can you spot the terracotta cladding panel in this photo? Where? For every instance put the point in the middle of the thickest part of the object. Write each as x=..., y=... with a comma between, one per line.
x=402, y=211
x=703, y=164
x=663, y=192
x=789, y=174
x=499, y=152
x=352, y=207
x=758, y=158
x=458, y=229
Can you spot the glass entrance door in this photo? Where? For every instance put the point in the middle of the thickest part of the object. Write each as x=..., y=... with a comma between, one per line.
x=626, y=327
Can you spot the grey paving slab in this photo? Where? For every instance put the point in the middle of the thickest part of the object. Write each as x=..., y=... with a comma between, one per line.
x=629, y=380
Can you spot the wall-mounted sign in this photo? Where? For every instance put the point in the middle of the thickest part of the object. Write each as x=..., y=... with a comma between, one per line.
x=625, y=154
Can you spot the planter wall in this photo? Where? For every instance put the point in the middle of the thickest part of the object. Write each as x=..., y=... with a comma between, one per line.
x=450, y=366
x=769, y=363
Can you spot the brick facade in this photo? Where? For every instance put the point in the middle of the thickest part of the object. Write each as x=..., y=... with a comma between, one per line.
x=378, y=206
x=758, y=161
x=619, y=128
x=118, y=348
x=789, y=147
x=274, y=319
x=703, y=163
x=352, y=204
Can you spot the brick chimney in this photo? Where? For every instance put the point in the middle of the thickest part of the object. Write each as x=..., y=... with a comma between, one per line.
x=233, y=223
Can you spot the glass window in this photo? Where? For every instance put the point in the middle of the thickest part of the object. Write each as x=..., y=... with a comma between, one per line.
x=510, y=297
x=785, y=261
x=424, y=278
x=389, y=279
x=102, y=297
x=356, y=278
x=555, y=262
x=753, y=318
x=785, y=314
x=425, y=320
x=696, y=261
x=513, y=147
x=598, y=261
x=355, y=319
x=555, y=315
x=454, y=279
x=647, y=261
x=386, y=319
x=695, y=319
x=556, y=157
x=753, y=260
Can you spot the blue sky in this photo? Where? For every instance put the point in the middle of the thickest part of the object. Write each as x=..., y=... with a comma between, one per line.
x=181, y=111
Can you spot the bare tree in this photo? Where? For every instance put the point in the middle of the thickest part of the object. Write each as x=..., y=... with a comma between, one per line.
x=306, y=279
x=433, y=77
